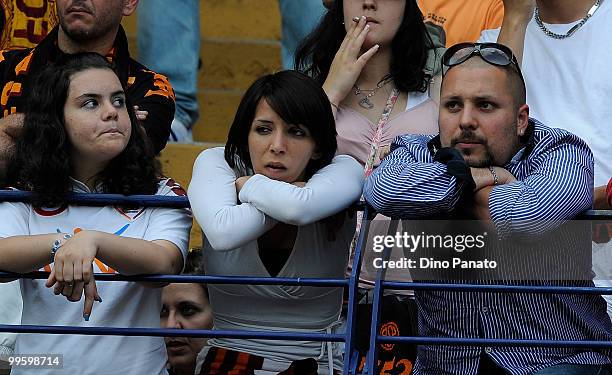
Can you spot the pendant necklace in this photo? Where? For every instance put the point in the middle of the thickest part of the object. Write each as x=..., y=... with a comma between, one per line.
x=365, y=101
x=536, y=16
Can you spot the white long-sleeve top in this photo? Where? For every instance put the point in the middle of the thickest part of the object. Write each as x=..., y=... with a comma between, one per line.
x=231, y=230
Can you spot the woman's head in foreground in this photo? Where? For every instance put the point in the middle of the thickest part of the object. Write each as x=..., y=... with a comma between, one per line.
x=284, y=128
x=186, y=306
x=78, y=122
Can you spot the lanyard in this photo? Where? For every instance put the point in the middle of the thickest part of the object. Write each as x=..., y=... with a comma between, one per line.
x=382, y=122
x=369, y=164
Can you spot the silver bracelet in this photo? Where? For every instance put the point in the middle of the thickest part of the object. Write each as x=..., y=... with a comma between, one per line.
x=58, y=243
x=495, y=178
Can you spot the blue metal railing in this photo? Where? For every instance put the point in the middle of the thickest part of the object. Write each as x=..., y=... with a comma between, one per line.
x=351, y=354
x=91, y=199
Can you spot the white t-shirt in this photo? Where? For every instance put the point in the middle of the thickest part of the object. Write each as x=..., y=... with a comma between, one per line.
x=125, y=304
x=230, y=248
x=569, y=81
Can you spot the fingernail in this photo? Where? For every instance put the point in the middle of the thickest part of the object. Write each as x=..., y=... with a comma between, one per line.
x=86, y=317
x=355, y=19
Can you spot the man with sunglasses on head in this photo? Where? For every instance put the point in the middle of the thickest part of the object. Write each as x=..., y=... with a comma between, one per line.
x=492, y=162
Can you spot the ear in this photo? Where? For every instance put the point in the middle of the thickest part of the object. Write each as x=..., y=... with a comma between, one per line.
x=316, y=156
x=522, y=120
x=129, y=6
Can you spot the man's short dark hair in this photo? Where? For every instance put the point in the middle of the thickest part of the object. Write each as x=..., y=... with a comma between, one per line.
x=514, y=81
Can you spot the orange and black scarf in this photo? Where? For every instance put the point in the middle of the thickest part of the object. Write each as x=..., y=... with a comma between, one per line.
x=230, y=362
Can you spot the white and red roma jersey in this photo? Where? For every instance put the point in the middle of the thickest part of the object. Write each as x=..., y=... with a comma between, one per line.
x=125, y=304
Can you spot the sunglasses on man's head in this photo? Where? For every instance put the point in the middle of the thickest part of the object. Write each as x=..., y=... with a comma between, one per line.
x=493, y=53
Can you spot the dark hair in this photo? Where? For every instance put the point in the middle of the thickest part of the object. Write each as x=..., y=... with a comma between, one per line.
x=297, y=99
x=194, y=266
x=42, y=163
x=516, y=84
x=514, y=78
x=409, y=48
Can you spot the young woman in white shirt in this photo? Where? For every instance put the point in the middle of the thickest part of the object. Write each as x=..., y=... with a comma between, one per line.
x=81, y=135
x=274, y=203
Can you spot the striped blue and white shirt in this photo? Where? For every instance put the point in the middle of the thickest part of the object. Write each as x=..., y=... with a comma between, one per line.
x=554, y=174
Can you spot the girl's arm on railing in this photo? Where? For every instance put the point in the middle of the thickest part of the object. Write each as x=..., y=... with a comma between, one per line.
x=73, y=260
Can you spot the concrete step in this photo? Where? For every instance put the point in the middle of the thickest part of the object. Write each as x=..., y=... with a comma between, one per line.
x=240, y=19
x=235, y=63
x=217, y=109
x=240, y=44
